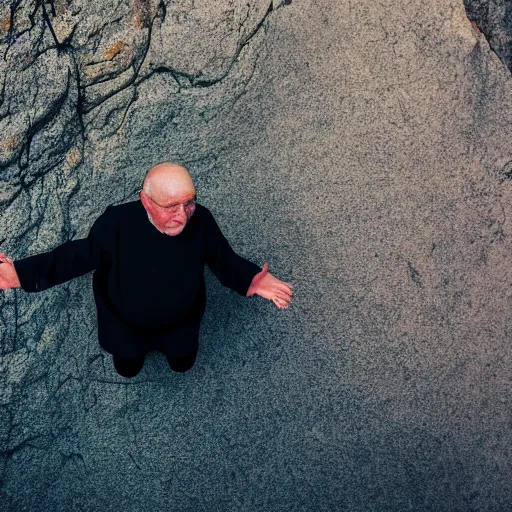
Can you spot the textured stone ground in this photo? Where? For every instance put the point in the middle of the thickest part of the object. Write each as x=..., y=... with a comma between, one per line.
x=363, y=149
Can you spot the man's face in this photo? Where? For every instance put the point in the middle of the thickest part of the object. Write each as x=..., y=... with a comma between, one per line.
x=170, y=214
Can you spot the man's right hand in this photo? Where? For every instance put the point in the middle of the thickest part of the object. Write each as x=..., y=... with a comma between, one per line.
x=8, y=275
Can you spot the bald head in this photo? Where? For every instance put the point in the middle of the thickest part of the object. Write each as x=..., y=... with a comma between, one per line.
x=168, y=195
x=167, y=181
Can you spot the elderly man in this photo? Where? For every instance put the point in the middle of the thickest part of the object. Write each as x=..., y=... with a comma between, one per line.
x=148, y=258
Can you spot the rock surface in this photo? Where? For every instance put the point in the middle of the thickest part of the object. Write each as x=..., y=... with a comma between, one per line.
x=494, y=19
x=363, y=149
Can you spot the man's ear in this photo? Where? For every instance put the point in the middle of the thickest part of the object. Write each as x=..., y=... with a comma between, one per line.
x=144, y=199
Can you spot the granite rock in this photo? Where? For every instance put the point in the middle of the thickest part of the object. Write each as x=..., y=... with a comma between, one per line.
x=363, y=149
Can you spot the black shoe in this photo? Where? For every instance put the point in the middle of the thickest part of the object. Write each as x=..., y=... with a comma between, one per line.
x=128, y=367
x=182, y=364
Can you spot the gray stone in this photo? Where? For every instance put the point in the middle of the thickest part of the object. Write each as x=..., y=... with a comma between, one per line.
x=363, y=149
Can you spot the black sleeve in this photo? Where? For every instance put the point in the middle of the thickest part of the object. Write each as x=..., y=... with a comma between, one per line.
x=231, y=269
x=67, y=261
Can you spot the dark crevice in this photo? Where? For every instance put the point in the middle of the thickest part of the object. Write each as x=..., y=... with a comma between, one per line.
x=161, y=11
x=80, y=102
x=133, y=99
x=52, y=5
x=38, y=125
x=20, y=446
x=107, y=77
x=493, y=18
x=130, y=82
x=241, y=45
x=506, y=171
x=60, y=45
x=12, y=36
x=239, y=95
x=36, y=55
x=98, y=33
x=414, y=274
x=69, y=39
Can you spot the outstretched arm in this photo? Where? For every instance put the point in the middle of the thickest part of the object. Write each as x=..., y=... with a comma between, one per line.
x=267, y=286
x=240, y=274
x=231, y=269
x=67, y=261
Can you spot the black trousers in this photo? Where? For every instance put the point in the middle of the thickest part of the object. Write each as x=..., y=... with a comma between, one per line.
x=179, y=347
x=131, y=367
x=127, y=342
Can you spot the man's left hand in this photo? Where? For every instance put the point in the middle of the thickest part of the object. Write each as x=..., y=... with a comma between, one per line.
x=267, y=286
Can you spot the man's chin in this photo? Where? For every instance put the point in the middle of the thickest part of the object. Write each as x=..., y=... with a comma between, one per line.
x=173, y=230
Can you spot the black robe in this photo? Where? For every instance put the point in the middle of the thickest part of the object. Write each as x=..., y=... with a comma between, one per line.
x=147, y=285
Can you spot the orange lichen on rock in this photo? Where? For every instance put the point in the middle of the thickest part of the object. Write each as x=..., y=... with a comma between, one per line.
x=114, y=50
x=8, y=146
x=10, y=143
x=73, y=157
x=5, y=24
x=141, y=13
x=139, y=22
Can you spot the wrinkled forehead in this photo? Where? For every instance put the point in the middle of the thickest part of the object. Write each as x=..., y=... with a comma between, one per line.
x=174, y=191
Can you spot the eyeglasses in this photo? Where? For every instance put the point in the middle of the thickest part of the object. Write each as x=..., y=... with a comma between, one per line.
x=173, y=208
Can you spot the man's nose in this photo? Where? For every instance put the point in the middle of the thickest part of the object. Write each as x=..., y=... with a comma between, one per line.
x=181, y=213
